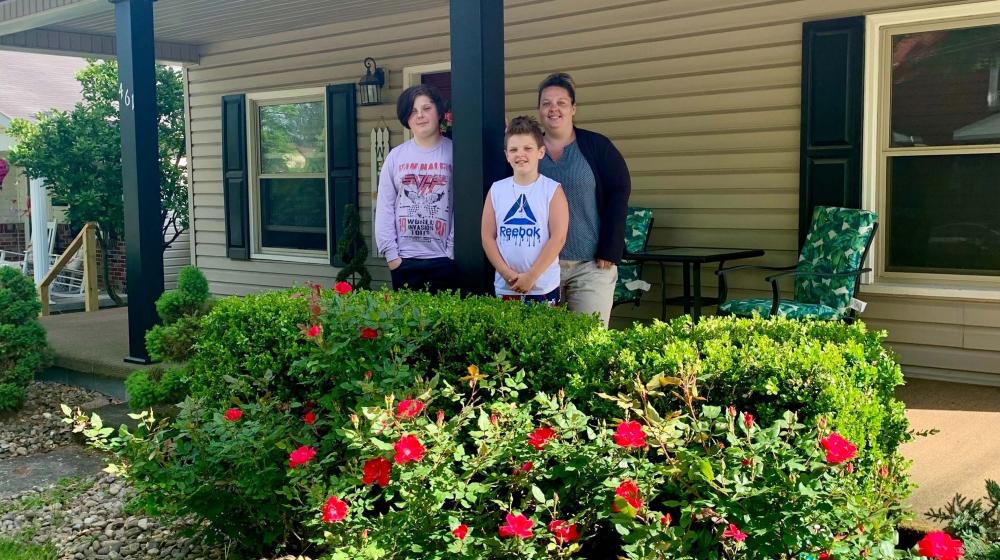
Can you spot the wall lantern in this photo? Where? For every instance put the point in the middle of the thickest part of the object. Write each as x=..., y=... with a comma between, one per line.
x=371, y=83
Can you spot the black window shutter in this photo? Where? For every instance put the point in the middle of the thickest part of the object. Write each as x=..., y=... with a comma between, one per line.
x=832, y=115
x=342, y=158
x=235, y=181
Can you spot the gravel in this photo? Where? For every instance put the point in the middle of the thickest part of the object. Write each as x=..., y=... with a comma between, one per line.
x=82, y=517
x=38, y=428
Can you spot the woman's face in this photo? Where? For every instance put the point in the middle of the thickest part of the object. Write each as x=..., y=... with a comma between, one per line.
x=424, y=121
x=556, y=109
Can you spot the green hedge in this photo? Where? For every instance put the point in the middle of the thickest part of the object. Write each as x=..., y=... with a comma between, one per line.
x=23, y=348
x=253, y=345
x=277, y=356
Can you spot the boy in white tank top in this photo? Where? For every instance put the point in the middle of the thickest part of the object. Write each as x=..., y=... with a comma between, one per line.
x=525, y=219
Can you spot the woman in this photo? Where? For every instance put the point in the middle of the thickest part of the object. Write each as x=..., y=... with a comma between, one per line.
x=414, y=210
x=596, y=181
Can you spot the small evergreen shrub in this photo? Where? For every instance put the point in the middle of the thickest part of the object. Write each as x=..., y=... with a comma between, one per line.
x=23, y=348
x=180, y=310
x=154, y=386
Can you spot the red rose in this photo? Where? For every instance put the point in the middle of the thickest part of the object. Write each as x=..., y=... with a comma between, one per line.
x=517, y=526
x=666, y=519
x=313, y=331
x=408, y=449
x=369, y=333
x=940, y=546
x=342, y=288
x=334, y=510
x=733, y=532
x=630, y=434
x=409, y=408
x=540, y=437
x=824, y=556
x=747, y=420
x=377, y=471
x=301, y=456
x=564, y=532
x=838, y=449
x=627, y=494
x=526, y=467
x=233, y=414
x=309, y=417
x=461, y=531
x=883, y=471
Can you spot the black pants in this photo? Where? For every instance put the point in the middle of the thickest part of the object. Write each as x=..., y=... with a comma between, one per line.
x=432, y=275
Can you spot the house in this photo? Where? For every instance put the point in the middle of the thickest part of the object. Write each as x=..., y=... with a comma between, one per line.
x=735, y=119
x=30, y=84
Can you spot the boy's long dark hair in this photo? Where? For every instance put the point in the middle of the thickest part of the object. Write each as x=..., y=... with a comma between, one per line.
x=404, y=105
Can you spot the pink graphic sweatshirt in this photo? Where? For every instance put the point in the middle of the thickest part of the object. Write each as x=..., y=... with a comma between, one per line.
x=414, y=209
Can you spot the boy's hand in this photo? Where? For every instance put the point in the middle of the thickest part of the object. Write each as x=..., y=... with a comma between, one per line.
x=525, y=282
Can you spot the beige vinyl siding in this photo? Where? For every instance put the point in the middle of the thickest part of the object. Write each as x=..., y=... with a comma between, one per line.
x=175, y=257
x=702, y=98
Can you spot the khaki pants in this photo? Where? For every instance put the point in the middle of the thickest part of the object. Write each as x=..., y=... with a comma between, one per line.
x=588, y=289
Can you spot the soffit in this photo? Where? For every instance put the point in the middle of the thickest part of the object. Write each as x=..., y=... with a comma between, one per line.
x=199, y=22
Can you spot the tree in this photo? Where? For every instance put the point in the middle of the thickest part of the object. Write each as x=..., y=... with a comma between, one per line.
x=78, y=154
x=353, y=251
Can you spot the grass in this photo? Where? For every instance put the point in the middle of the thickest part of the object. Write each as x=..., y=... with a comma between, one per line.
x=63, y=492
x=18, y=550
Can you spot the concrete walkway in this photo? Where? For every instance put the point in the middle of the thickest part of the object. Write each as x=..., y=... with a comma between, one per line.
x=964, y=453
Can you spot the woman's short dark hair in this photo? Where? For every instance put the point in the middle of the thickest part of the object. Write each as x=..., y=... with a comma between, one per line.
x=524, y=125
x=559, y=79
x=404, y=105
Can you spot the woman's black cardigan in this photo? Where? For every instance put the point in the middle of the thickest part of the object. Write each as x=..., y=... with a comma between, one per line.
x=613, y=188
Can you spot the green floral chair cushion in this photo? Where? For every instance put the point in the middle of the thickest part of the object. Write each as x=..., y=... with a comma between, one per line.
x=787, y=309
x=628, y=271
x=638, y=222
x=836, y=243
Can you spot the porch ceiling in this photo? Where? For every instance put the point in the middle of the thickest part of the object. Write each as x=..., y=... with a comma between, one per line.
x=181, y=26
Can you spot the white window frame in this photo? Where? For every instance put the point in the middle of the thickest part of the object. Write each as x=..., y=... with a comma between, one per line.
x=254, y=102
x=879, y=28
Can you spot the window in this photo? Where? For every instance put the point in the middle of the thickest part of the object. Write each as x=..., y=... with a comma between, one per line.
x=935, y=144
x=288, y=176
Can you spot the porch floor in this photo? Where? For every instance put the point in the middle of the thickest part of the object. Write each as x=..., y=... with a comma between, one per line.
x=91, y=342
x=958, y=459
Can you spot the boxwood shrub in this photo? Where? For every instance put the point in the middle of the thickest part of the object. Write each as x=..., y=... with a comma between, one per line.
x=23, y=348
x=734, y=410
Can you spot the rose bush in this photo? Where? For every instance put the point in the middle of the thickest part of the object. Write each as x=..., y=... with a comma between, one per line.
x=402, y=425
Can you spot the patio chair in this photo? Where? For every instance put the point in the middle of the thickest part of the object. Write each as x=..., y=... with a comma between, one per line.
x=826, y=276
x=22, y=260
x=630, y=287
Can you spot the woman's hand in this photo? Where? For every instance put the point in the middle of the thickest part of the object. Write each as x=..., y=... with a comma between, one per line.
x=603, y=264
x=394, y=264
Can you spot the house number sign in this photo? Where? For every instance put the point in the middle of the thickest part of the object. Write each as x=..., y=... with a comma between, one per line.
x=126, y=97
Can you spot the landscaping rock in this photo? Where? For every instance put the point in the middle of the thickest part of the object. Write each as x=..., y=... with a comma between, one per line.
x=38, y=428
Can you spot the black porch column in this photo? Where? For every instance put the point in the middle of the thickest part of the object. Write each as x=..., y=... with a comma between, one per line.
x=477, y=84
x=140, y=169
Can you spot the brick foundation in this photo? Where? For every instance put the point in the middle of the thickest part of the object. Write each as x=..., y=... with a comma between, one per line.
x=116, y=266
x=12, y=237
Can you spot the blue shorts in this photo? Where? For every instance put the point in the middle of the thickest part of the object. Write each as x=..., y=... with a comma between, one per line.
x=551, y=299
